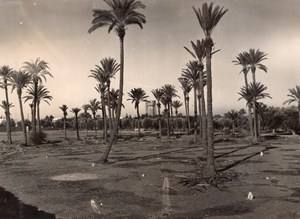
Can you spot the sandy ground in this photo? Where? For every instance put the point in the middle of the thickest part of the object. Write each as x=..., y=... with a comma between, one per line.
x=61, y=180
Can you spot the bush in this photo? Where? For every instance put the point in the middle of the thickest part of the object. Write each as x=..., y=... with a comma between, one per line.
x=37, y=138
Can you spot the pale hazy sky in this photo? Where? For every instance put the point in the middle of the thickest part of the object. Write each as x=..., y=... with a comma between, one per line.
x=56, y=31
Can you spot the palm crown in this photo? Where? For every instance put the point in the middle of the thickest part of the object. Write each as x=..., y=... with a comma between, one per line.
x=255, y=91
x=294, y=96
x=42, y=94
x=121, y=14
x=137, y=95
x=20, y=80
x=64, y=108
x=209, y=17
x=5, y=74
x=38, y=70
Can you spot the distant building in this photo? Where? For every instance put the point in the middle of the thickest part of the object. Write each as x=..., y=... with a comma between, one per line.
x=151, y=108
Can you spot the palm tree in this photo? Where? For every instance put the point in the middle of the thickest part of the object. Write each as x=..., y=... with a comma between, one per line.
x=38, y=70
x=208, y=19
x=5, y=74
x=100, y=88
x=20, y=80
x=252, y=93
x=242, y=60
x=122, y=13
x=137, y=95
x=186, y=88
x=109, y=67
x=199, y=53
x=76, y=111
x=158, y=94
x=114, y=96
x=233, y=116
x=192, y=73
x=64, y=108
x=165, y=101
x=294, y=97
x=176, y=104
x=94, y=105
x=6, y=108
x=42, y=94
x=85, y=108
x=169, y=93
x=254, y=59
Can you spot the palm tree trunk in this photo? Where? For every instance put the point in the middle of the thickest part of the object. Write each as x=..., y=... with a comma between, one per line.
x=210, y=164
x=76, y=126
x=8, y=125
x=38, y=117
x=199, y=118
x=109, y=110
x=255, y=122
x=195, y=114
x=176, y=113
x=65, y=127
x=159, y=121
x=104, y=116
x=119, y=106
x=139, y=124
x=172, y=119
x=22, y=119
x=95, y=125
x=203, y=117
x=168, y=122
x=34, y=108
x=299, y=112
x=188, y=114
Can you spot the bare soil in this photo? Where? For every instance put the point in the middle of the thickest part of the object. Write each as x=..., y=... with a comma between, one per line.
x=60, y=179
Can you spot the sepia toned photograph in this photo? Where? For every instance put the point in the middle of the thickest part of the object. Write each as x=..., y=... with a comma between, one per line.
x=149, y=109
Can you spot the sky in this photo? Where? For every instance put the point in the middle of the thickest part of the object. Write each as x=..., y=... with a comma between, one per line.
x=57, y=31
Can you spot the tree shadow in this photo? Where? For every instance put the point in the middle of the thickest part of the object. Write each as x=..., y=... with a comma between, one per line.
x=11, y=207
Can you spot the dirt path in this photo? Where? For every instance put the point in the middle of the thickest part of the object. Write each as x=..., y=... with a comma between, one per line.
x=61, y=179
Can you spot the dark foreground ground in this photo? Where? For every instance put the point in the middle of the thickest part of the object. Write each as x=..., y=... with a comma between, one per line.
x=60, y=180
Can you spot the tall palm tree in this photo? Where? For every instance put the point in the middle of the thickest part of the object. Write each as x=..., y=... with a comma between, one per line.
x=86, y=115
x=253, y=93
x=254, y=59
x=186, y=88
x=19, y=81
x=242, y=60
x=158, y=94
x=108, y=68
x=122, y=13
x=64, y=108
x=137, y=95
x=39, y=70
x=5, y=75
x=199, y=53
x=176, y=104
x=76, y=111
x=294, y=97
x=208, y=17
x=42, y=94
x=169, y=93
x=192, y=73
x=94, y=105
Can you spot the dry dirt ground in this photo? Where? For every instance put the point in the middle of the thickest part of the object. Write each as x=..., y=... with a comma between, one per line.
x=60, y=179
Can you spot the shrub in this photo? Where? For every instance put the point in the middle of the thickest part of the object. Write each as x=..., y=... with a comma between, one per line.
x=37, y=138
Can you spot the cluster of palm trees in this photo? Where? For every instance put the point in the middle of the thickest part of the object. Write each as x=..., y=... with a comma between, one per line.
x=197, y=75
x=253, y=91
x=165, y=96
x=32, y=74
